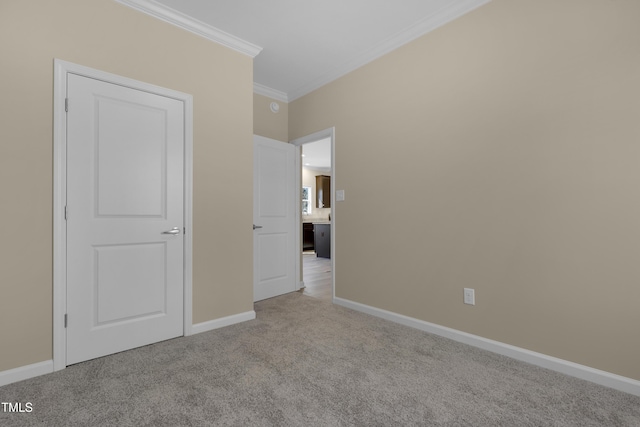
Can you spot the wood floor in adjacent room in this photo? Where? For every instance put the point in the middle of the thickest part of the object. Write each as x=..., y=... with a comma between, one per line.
x=317, y=276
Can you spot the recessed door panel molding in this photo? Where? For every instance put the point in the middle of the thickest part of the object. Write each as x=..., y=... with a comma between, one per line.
x=273, y=256
x=130, y=282
x=138, y=147
x=272, y=182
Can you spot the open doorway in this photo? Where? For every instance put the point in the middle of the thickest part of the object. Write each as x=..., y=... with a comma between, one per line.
x=317, y=219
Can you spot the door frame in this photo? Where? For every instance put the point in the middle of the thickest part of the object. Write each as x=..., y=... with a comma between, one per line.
x=298, y=142
x=61, y=70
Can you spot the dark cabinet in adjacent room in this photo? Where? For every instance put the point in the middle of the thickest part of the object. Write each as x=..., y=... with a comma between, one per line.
x=323, y=240
x=323, y=191
x=308, y=243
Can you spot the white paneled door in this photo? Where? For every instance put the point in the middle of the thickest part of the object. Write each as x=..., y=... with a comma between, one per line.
x=274, y=248
x=125, y=160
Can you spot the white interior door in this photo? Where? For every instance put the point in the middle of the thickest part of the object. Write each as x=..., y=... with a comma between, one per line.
x=274, y=210
x=125, y=161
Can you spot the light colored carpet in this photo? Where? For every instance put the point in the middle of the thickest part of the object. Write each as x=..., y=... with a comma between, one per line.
x=306, y=362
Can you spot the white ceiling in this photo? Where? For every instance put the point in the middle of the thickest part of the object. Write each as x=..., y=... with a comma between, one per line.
x=317, y=155
x=306, y=44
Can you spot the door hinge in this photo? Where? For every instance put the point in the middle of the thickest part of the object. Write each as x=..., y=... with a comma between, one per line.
x=184, y=230
x=66, y=105
x=65, y=213
x=65, y=320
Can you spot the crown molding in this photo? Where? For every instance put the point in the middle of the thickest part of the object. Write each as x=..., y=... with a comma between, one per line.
x=270, y=93
x=422, y=27
x=172, y=16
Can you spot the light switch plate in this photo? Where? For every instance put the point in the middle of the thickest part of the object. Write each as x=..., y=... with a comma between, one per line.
x=339, y=195
x=469, y=296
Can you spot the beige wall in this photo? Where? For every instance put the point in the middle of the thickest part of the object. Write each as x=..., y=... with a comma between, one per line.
x=267, y=123
x=508, y=149
x=106, y=35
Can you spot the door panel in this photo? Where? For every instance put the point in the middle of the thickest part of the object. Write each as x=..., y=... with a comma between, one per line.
x=130, y=282
x=141, y=166
x=273, y=256
x=274, y=210
x=124, y=189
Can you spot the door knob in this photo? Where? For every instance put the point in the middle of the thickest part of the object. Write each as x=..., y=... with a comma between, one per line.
x=174, y=230
x=256, y=226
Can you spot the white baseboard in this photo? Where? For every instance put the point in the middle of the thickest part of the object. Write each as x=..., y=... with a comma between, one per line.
x=618, y=382
x=222, y=322
x=26, y=372
x=46, y=367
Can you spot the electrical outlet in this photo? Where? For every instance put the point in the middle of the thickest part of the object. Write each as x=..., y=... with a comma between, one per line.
x=469, y=296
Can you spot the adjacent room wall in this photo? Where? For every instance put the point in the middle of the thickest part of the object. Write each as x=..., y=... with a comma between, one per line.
x=109, y=36
x=507, y=151
x=267, y=123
